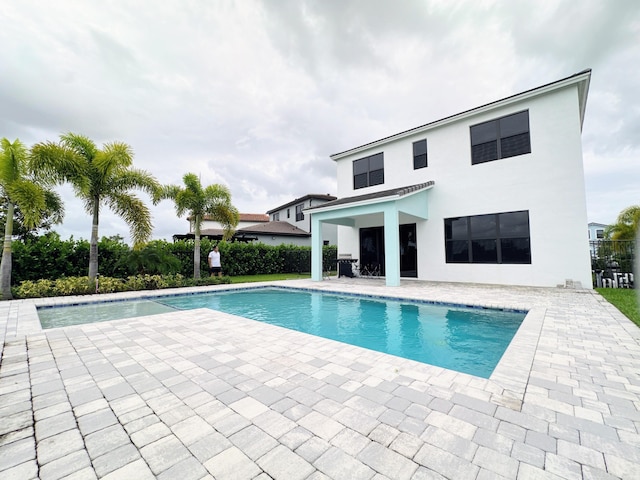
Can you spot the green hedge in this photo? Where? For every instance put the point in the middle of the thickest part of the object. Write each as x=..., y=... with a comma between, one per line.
x=50, y=258
x=82, y=285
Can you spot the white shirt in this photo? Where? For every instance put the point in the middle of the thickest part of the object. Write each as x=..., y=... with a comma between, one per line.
x=214, y=259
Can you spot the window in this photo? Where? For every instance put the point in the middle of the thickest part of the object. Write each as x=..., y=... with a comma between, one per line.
x=419, y=154
x=276, y=217
x=368, y=171
x=599, y=233
x=493, y=238
x=299, y=214
x=288, y=213
x=501, y=138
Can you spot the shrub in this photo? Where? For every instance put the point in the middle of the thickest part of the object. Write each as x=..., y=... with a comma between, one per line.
x=82, y=286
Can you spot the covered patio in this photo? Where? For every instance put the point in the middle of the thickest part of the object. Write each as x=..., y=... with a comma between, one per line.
x=386, y=206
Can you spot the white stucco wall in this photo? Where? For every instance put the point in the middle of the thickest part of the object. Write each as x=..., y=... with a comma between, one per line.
x=548, y=182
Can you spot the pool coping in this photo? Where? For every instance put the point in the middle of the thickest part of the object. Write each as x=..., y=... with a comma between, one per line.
x=508, y=380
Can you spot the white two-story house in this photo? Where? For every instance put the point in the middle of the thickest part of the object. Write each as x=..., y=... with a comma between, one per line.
x=491, y=195
x=293, y=213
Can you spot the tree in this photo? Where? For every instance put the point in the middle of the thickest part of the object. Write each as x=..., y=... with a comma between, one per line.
x=213, y=201
x=99, y=177
x=626, y=226
x=52, y=214
x=22, y=193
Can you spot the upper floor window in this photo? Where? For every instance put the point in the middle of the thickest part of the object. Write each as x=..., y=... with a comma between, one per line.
x=419, y=154
x=500, y=138
x=368, y=171
x=276, y=217
x=299, y=214
x=599, y=233
x=493, y=238
x=288, y=213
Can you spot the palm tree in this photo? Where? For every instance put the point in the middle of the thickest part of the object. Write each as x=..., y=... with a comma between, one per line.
x=22, y=193
x=626, y=225
x=213, y=201
x=99, y=177
x=52, y=214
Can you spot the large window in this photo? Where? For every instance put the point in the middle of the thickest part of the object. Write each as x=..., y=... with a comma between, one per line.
x=368, y=171
x=276, y=217
x=501, y=138
x=493, y=238
x=299, y=214
x=419, y=154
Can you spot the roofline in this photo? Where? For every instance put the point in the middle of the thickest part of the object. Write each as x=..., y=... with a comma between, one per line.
x=302, y=233
x=373, y=198
x=263, y=220
x=582, y=79
x=302, y=199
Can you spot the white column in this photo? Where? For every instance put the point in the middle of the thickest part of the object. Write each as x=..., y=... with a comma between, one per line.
x=392, y=246
x=316, y=249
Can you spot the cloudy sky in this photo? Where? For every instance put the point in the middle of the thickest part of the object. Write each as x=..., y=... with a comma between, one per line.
x=256, y=94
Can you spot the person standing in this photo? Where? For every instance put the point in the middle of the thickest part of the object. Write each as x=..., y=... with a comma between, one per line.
x=215, y=267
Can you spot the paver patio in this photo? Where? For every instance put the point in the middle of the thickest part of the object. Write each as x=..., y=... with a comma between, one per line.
x=203, y=394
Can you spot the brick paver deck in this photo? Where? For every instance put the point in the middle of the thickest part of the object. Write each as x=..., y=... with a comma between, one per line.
x=202, y=394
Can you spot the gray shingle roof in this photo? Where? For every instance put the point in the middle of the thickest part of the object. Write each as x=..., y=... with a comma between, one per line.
x=393, y=192
x=275, y=228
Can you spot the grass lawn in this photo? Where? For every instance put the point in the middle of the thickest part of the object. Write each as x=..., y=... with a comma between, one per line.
x=269, y=278
x=625, y=300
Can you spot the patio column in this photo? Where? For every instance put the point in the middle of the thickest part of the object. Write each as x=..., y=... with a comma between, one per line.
x=392, y=245
x=316, y=249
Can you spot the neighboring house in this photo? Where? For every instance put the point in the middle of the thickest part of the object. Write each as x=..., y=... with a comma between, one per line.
x=213, y=230
x=293, y=213
x=491, y=195
x=253, y=227
x=246, y=220
x=596, y=231
x=277, y=233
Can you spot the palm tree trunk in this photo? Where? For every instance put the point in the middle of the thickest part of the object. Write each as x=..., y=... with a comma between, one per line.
x=5, y=267
x=93, y=246
x=196, y=248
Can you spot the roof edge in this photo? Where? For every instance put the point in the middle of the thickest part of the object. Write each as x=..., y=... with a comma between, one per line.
x=582, y=79
x=319, y=196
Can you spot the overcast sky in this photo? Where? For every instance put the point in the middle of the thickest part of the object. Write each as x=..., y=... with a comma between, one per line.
x=256, y=95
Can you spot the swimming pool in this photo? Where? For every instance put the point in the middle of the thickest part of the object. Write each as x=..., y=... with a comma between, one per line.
x=469, y=340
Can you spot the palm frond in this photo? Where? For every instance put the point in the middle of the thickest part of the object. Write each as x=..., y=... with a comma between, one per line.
x=131, y=178
x=135, y=213
x=218, y=193
x=54, y=206
x=81, y=145
x=53, y=163
x=13, y=158
x=192, y=183
x=114, y=157
x=30, y=198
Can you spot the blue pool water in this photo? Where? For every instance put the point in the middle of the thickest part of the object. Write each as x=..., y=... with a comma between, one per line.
x=469, y=340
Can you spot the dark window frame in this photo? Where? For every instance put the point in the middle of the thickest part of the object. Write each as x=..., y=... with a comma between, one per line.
x=368, y=171
x=276, y=217
x=489, y=239
x=299, y=213
x=503, y=137
x=420, y=154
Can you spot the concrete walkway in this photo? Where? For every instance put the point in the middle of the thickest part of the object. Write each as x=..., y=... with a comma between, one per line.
x=202, y=394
